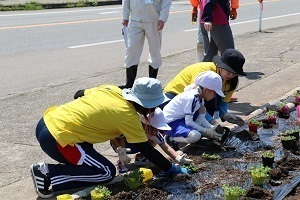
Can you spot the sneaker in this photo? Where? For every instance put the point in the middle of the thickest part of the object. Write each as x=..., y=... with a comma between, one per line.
x=141, y=160
x=41, y=181
x=172, y=143
x=121, y=167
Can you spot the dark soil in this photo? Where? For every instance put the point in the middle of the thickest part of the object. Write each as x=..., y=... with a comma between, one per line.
x=258, y=193
x=247, y=135
x=290, y=164
x=278, y=173
x=283, y=115
x=152, y=193
x=267, y=124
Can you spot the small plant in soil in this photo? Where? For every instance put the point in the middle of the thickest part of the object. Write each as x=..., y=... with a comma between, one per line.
x=259, y=173
x=210, y=156
x=233, y=192
x=283, y=108
x=268, y=158
x=191, y=168
x=288, y=141
x=253, y=125
x=100, y=192
x=133, y=179
x=297, y=96
x=272, y=116
x=294, y=132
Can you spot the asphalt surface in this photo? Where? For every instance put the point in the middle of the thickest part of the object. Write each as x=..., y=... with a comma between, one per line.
x=272, y=67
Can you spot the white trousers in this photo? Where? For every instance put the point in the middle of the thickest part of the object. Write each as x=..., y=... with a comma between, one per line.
x=137, y=31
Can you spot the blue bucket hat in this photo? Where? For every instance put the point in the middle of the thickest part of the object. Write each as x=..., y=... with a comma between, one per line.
x=146, y=92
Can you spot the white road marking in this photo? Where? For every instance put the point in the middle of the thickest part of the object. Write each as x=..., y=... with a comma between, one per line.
x=95, y=44
x=105, y=13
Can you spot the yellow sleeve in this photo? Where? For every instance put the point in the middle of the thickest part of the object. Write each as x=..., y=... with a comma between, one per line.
x=133, y=130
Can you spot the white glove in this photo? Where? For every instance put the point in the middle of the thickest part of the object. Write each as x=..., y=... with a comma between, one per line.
x=210, y=132
x=123, y=155
x=183, y=159
x=233, y=119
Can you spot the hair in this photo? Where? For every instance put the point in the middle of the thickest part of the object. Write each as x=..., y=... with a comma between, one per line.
x=142, y=110
x=232, y=84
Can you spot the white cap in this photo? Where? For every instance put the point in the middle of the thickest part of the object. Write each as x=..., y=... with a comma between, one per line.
x=158, y=120
x=210, y=80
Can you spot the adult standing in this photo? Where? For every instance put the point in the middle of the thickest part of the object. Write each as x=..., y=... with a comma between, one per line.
x=147, y=19
x=67, y=134
x=215, y=19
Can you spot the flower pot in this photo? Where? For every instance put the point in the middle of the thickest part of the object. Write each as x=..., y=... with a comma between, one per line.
x=287, y=144
x=285, y=109
x=64, y=197
x=147, y=174
x=296, y=135
x=258, y=181
x=297, y=98
x=132, y=183
x=253, y=127
x=96, y=195
x=272, y=119
x=267, y=162
x=231, y=197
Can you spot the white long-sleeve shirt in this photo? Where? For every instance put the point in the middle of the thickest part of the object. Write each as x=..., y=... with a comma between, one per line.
x=138, y=10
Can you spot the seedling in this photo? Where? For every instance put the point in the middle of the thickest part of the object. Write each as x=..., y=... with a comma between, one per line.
x=255, y=122
x=100, y=192
x=287, y=138
x=211, y=156
x=192, y=168
x=133, y=179
x=268, y=154
x=233, y=190
x=271, y=113
x=259, y=171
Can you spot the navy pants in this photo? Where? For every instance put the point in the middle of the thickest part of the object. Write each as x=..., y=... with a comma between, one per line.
x=80, y=165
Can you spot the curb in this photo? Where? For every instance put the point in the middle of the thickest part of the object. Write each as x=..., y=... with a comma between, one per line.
x=271, y=103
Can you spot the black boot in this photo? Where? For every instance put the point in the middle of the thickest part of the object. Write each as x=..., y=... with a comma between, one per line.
x=152, y=72
x=130, y=77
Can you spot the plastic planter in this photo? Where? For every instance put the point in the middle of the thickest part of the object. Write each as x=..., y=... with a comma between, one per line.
x=272, y=119
x=231, y=197
x=287, y=144
x=253, y=127
x=267, y=162
x=258, y=181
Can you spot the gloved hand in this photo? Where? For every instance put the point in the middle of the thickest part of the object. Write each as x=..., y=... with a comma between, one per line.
x=233, y=119
x=233, y=14
x=176, y=169
x=183, y=159
x=123, y=155
x=194, y=14
x=210, y=132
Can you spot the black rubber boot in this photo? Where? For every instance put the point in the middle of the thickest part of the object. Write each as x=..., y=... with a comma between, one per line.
x=152, y=72
x=130, y=77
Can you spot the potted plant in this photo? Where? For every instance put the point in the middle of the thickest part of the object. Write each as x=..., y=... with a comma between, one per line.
x=297, y=96
x=100, y=193
x=253, y=125
x=283, y=108
x=133, y=179
x=272, y=116
x=268, y=158
x=259, y=173
x=191, y=168
x=210, y=156
x=294, y=132
x=233, y=192
x=287, y=141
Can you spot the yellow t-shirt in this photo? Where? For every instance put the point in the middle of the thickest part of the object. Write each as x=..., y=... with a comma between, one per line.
x=100, y=115
x=188, y=75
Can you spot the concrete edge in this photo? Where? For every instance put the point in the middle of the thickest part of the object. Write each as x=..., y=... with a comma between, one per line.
x=274, y=102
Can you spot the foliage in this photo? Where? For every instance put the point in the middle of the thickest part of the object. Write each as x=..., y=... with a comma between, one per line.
x=271, y=113
x=281, y=105
x=136, y=174
x=211, y=156
x=255, y=122
x=33, y=5
x=290, y=132
x=287, y=138
x=190, y=167
x=268, y=154
x=259, y=171
x=297, y=93
x=104, y=190
x=233, y=190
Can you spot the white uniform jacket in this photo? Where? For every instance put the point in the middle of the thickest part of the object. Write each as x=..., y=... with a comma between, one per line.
x=146, y=10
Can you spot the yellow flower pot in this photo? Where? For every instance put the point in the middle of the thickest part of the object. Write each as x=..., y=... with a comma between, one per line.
x=147, y=174
x=64, y=197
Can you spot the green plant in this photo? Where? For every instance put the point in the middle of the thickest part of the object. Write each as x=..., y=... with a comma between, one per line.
x=287, y=138
x=233, y=190
x=271, y=113
x=259, y=171
x=281, y=105
x=255, y=122
x=291, y=132
x=104, y=190
x=211, y=156
x=297, y=93
x=135, y=175
x=268, y=154
x=33, y=5
x=190, y=167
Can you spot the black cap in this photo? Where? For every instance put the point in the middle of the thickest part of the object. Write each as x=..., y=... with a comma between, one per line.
x=231, y=60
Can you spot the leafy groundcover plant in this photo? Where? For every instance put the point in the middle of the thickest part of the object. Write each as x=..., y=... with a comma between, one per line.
x=233, y=192
x=253, y=125
x=268, y=158
x=133, y=179
x=100, y=192
x=259, y=173
x=211, y=156
x=272, y=116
